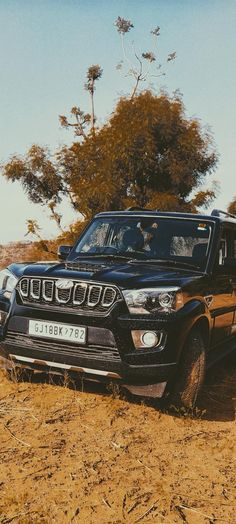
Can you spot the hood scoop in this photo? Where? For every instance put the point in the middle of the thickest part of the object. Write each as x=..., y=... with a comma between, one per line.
x=88, y=267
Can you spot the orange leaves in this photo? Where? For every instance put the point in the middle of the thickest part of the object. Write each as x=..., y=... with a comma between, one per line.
x=148, y=154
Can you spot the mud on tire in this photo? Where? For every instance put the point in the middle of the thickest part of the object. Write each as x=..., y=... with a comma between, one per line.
x=184, y=389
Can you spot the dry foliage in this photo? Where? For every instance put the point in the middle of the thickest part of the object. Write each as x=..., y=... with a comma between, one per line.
x=40, y=250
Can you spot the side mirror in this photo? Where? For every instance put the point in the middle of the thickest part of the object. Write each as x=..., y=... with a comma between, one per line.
x=63, y=252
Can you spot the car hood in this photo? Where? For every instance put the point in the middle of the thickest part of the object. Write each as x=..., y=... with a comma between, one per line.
x=123, y=274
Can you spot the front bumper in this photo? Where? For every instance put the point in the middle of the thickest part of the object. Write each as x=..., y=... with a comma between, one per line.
x=109, y=353
x=30, y=353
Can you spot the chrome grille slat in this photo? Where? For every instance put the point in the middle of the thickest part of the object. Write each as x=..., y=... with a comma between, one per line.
x=35, y=288
x=24, y=287
x=108, y=297
x=80, y=296
x=79, y=293
x=47, y=290
x=94, y=295
x=63, y=295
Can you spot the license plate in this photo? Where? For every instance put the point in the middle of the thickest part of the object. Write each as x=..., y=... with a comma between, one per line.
x=67, y=332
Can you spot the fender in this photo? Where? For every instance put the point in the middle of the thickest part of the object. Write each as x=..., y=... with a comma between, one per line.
x=195, y=311
x=5, y=303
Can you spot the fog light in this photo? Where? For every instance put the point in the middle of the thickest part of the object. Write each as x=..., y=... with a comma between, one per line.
x=144, y=339
x=149, y=339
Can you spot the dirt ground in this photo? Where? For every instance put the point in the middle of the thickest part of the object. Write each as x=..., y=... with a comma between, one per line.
x=73, y=454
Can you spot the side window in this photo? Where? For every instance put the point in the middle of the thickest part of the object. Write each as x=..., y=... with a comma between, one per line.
x=226, y=248
x=234, y=244
x=222, y=251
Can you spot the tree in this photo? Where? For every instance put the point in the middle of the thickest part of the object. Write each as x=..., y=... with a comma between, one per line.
x=82, y=120
x=232, y=207
x=93, y=74
x=42, y=182
x=148, y=154
x=145, y=65
x=143, y=68
x=34, y=230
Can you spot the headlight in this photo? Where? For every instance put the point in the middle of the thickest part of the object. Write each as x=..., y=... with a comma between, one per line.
x=153, y=300
x=7, y=282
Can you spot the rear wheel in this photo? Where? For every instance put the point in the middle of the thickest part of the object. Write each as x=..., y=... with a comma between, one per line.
x=184, y=389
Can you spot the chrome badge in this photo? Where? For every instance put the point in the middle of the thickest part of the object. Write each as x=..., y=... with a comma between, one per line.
x=64, y=284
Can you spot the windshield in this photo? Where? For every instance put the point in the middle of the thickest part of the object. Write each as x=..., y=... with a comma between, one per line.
x=173, y=240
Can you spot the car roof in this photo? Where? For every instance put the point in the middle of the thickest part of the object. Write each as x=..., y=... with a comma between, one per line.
x=149, y=213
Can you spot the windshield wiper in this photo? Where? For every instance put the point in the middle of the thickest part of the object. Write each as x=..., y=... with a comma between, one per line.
x=108, y=255
x=130, y=258
x=170, y=262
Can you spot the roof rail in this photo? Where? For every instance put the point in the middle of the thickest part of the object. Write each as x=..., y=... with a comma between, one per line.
x=218, y=212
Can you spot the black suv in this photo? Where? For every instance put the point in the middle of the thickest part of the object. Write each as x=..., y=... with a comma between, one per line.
x=144, y=298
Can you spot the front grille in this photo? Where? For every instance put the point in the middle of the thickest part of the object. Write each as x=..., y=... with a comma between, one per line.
x=36, y=345
x=84, y=297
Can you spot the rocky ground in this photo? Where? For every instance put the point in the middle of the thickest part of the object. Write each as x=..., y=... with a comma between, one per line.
x=75, y=453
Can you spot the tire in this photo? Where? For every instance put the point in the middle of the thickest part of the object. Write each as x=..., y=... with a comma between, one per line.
x=190, y=375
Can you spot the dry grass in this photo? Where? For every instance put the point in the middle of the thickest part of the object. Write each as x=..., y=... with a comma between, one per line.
x=69, y=456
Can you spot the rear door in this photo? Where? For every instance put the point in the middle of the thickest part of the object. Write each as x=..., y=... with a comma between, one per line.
x=222, y=307
x=233, y=278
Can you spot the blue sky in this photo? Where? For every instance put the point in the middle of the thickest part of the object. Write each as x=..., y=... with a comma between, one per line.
x=46, y=47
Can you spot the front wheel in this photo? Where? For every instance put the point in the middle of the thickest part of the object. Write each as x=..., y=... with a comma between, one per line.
x=184, y=389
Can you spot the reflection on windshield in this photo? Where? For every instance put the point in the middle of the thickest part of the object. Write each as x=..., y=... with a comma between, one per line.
x=177, y=240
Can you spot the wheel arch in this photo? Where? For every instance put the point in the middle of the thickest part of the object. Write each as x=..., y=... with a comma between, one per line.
x=203, y=325
x=191, y=365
